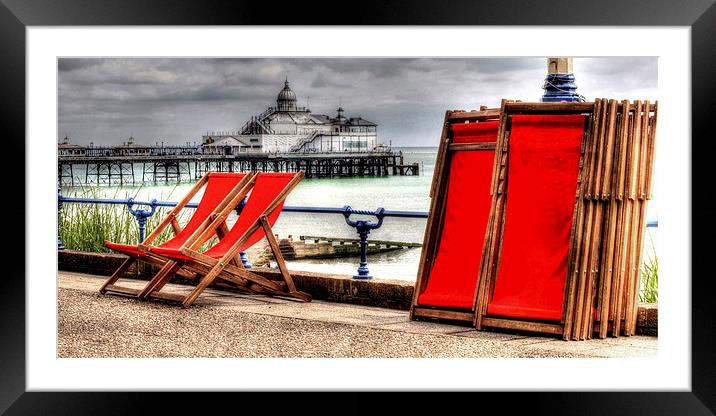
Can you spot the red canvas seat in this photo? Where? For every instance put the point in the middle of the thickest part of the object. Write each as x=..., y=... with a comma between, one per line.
x=453, y=278
x=218, y=186
x=543, y=165
x=266, y=188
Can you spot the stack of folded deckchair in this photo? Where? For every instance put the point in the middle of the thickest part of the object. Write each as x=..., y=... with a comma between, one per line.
x=567, y=194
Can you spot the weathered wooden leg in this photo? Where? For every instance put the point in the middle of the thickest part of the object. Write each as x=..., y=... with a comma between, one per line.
x=117, y=274
x=160, y=279
x=206, y=281
x=280, y=261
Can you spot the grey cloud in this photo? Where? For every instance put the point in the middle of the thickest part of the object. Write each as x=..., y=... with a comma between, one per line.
x=177, y=100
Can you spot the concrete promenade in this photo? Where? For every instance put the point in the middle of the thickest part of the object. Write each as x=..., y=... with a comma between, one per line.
x=222, y=324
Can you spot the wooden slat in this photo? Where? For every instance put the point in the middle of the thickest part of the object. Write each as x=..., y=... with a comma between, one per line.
x=631, y=311
x=173, y=297
x=643, y=153
x=495, y=221
x=455, y=147
x=442, y=314
x=210, y=263
x=609, y=150
x=121, y=289
x=499, y=147
x=626, y=127
x=561, y=107
x=543, y=328
x=622, y=264
x=607, y=267
x=631, y=266
x=583, y=277
x=594, y=252
x=596, y=166
x=633, y=154
x=652, y=154
x=573, y=270
x=438, y=170
x=488, y=114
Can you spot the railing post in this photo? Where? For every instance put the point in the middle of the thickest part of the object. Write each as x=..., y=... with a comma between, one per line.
x=244, y=260
x=60, y=246
x=363, y=227
x=363, y=272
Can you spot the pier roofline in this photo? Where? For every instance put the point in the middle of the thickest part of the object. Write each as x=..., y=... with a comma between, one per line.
x=220, y=156
x=286, y=127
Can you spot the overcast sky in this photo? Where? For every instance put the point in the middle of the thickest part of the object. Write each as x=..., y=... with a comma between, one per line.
x=177, y=100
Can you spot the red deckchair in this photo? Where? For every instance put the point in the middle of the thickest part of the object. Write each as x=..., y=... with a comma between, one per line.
x=258, y=215
x=530, y=232
x=219, y=189
x=455, y=232
x=543, y=167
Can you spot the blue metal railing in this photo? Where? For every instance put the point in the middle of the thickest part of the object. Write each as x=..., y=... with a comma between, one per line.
x=362, y=226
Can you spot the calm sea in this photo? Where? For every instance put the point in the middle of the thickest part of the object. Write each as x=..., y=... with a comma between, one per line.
x=404, y=193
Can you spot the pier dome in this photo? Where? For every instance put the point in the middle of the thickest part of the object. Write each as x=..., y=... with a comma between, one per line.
x=286, y=100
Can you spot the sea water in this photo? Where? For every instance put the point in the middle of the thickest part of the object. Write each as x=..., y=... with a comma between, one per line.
x=398, y=193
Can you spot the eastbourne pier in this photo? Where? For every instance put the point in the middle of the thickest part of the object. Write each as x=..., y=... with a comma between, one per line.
x=282, y=138
x=113, y=166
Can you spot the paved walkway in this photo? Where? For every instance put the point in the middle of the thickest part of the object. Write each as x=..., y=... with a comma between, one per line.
x=222, y=324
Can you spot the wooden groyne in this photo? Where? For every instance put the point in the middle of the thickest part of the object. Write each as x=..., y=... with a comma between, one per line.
x=181, y=166
x=315, y=247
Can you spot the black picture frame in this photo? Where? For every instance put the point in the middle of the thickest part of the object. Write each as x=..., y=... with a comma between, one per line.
x=16, y=15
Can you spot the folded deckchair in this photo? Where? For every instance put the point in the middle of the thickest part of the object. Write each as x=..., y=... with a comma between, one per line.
x=257, y=217
x=455, y=231
x=530, y=238
x=219, y=189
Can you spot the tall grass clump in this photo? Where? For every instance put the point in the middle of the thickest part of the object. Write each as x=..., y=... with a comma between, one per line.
x=649, y=276
x=85, y=227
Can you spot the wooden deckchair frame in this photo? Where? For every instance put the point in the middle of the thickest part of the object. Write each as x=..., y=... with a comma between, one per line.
x=168, y=266
x=438, y=194
x=614, y=182
x=229, y=270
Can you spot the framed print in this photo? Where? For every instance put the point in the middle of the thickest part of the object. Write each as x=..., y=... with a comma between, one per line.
x=38, y=36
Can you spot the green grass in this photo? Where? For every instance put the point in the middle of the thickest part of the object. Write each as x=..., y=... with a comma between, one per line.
x=86, y=226
x=649, y=275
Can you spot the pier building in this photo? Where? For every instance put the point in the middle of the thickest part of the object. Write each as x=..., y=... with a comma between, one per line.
x=288, y=128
